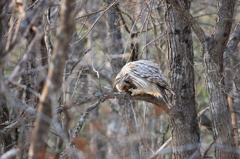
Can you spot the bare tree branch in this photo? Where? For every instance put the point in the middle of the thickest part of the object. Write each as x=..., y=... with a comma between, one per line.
x=101, y=97
x=20, y=67
x=233, y=42
x=90, y=29
x=213, y=49
x=203, y=111
x=209, y=147
x=80, y=124
x=53, y=83
x=188, y=17
x=10, y=128
x=83, y=118
x=11, y=153
x=27, y=21
x=224, y=21
x=96, y=96
x=155, y=155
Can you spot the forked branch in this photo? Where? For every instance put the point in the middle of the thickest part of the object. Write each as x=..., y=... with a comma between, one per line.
x=189, y=18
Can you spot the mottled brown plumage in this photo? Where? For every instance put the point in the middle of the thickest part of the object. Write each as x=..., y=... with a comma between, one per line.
x=141, y=77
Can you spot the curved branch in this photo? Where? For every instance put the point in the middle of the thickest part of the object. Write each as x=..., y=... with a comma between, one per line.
x=233, y=42
x=83, y=118
x=123, y=95
x=224, y=21
x=158, y=152
x=101, y=97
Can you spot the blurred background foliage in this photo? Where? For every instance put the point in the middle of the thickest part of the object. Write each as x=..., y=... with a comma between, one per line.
x=88, y=70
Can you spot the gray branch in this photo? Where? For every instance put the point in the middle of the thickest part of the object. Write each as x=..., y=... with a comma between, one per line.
x=233, y=42
x=189, y=18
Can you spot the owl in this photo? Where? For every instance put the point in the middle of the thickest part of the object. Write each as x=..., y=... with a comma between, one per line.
x=141, y=77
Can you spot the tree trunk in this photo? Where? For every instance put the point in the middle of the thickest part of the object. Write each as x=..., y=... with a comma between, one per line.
x=115, y=47
x=184, y=126
x=221, y=115
x=115, y=43
x=53, y=82
x=213, y=49
x=6, y=140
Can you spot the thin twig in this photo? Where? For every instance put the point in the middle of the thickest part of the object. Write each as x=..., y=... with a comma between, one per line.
x=11, y=153
x=209, y=147
x=153, y=156
x=90, y=29
x=233, y=42
x=80, y=124
x=203, y=111
x=96, y=96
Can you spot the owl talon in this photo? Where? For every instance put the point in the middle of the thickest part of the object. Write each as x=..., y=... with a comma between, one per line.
x=136, y=91
x=132, y=91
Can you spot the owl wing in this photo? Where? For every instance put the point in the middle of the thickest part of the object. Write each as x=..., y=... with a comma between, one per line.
x=123, y=74
x=146, y=70
x=150, y=72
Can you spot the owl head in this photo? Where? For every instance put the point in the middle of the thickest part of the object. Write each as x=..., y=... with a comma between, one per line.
x=122, y=83
x=123, y=86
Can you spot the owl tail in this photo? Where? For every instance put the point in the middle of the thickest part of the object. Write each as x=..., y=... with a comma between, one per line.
x=164, y=96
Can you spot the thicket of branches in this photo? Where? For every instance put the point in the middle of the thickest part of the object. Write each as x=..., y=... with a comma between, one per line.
x=59, y=58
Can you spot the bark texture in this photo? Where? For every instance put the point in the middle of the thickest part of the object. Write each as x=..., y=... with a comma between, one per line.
x=115, y=48
x=213, y=48
x=53, y=83
x=221, y=115
x=184, y=126
x=115, y=39
x=6, y=140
